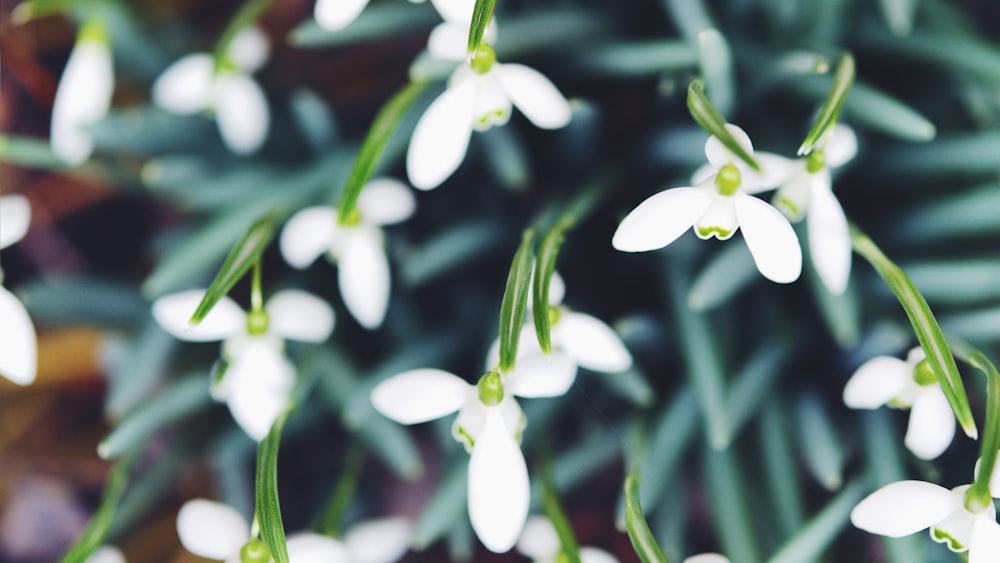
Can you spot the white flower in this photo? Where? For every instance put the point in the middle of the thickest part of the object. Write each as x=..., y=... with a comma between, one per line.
x=358, y=249
x=718, y=205
x=489, y=425
x=478, y=100
x=257, y=378
x=106, y=554
x=18, y=344
x=449, y=40
x=193, y=84
x=334, y=15
x=809, y=190
x=84, y=94
x=707, y=558
x=910, y=384
x=215, y=531
x=541, y=543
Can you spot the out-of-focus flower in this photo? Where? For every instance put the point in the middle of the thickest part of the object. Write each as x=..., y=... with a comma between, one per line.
x=449, y=40
x=106, y=554
x=194, y=83
x=540, y=542
x=707, y=558
x=334, y=15
x=358, y=248
x=18, y=343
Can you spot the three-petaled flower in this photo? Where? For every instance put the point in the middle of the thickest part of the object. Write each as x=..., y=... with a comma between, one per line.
x=215, y=531
x=540, y=542
x=358, y=247
x=197, y=83
x=906, y=384
x=489, y=425
x=717, y=205
x=257, y=378
x=18, y=344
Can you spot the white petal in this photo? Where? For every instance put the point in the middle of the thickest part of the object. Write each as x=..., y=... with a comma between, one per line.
x=308, y=234
x=932, y=424
x=314, y=548
x=211, y=529
x=955, y=531
x=535, y=95
x=106, y=554
x=421, y=395
x=298, y=315
x=842, y=147
x=829, y=239
x=498, y=487
x=260, y=383
x=378, y=541
x=985, y=543
x=449, y=41
x=15, y=216
x=363, y=276
x=775, y=170
x=186, y=85
x=441, y=137
x=707, y=558
x=249, y=49
x=771, y=239
x=18, y=344
x=540, y=375
x=718, y=155
x=660, y=219
x=385, y=201
x=242, y=112
x=594, y=555
x=456, y=11
x=174, y=311
x=876, y=382
x=333, y=15
x=903, y=508
x=82, y=98
x=703, y=173
x=539, y=540
x=591, y=343
x=718, y=221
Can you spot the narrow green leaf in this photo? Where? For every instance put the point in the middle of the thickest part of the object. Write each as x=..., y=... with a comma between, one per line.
x=716, y=64
x=23, y=151
x=754, y=384
x=898, y=15
x=781, y=467
x=690, y=16
x=971, y=154
x=97, y=529
x=980, y=325
x=515, y=301
x=248, y=13
x=332, y=517
x=268, y=510
x=990, y=444
x=728, y=272
x=445, y=509
x=731, y=513
x=643, y=542
x=482, y=13
x=545, y=265
x=884, y=113
x=925, y=326
x=812, y=539
x=705, y=114
x=637, y=58
x=245, y=254
x=830, y=111
x=824, y=454
x=569, y=548
x=457, y=246
x=672, y=433
x=374, y=144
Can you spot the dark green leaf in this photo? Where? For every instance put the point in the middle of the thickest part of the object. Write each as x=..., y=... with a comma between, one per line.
x=705, y=114
x=830, y=111
x=94, y=535
x=482, y=13
x=545, y=265
x=515, y=301
x=569, y=549
x=990, y=444
x=272, y=531
x=332, y=517
x=643, y=542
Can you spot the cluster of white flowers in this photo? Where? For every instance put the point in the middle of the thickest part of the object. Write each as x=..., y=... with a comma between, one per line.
x=18, y=344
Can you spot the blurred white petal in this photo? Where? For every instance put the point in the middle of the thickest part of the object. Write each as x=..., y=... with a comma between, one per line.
x=333, y=15
x=591, y=343
x=298, y=315
x=903, y=508
x=449, y=41
x=594, y=555
x=18, y=344
x=932, y=424
x=211, y=529
x=249, y=49
x=242, y=112
x=718, y=155
x=540, y=375
x=106, y=554
x=985, y=543
x=829, y=239
x=15, y=216
x=314, y=548
x=378, y=541
x=535, y=95
x=842, y=147
x=260, y=384
x=771, y=239
x=441, y=137
x=186, y=85
x=386, y=201
x=876, y=382
x=421, y=395
x=307, y=235
x=363, y=275
x=539, y=540
x=498, y=486
x=82, y=98
x=455, y=11
x=660, y=219
x=775, y=170
x=707, y=558
x=173, y=313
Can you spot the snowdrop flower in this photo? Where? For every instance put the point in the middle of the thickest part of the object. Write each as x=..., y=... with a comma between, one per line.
x=911, y=384
x=83, y=96
x=707, y=558
x=479, y=96
x=449, y=40
x=717, y=205
x=106, y=554
x=334, y=15
x=194, y=84
x=257, y=379
x=357, y=247
x=18, y=344
x=541, y=543
x=809, y=190
x=489, y=425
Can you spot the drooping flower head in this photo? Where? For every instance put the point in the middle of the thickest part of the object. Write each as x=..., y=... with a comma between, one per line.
x=717, y=205
x=540, y=542
x=909, y=384
x=257, y=379
x=358, y=248
x=18, y=343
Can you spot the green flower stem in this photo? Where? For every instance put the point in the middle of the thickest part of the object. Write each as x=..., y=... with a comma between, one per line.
x=727, y=494
x=830, y=111
x=96, y=531
x=643, y=542
x=331, y=521
x=569, y=548
x=256, y=296
x=545, y=265
x=482, y=13
x=248, y=13
x=990, y=444
x=268, y=510
x=925, y=326
x=515, y=301
x=709, y=118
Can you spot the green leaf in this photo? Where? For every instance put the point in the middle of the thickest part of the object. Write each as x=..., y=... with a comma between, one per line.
x=97, y=529
x=643, y=542
x=925, y=326
x=728, y=272
x=545, y=265
x=29, y=152
x=32, y=9
x=482, y=13
x=245, y=254
x=990, y=444
x=637, y=58
x=898, y=15
x=515, y=301
x=374, y=144
x=705, y=114
x=781, y=467
x=884, y=113
x=715, y=60
x=830, y=111
x=824, y=454
x=445, y=509
x=727, y=494
x=332, y=517
x=813, y=538
x=272, y=531
x=378, y=21
x=569, y=549
x=754, y=384
x=248, y=13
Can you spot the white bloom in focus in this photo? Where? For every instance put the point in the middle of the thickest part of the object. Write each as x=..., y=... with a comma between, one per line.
x=334, y=15
x=885, y=380
x=449, y=40
x=257, y=379
x=358, y=249
x=106, y=554
x=707, y=558
x=478, y=100
x=717, y=205
x=809, y=191
x=83, y=96
x=193, y=84
x=18, y=343
x=489, y=425
x=540, y=542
